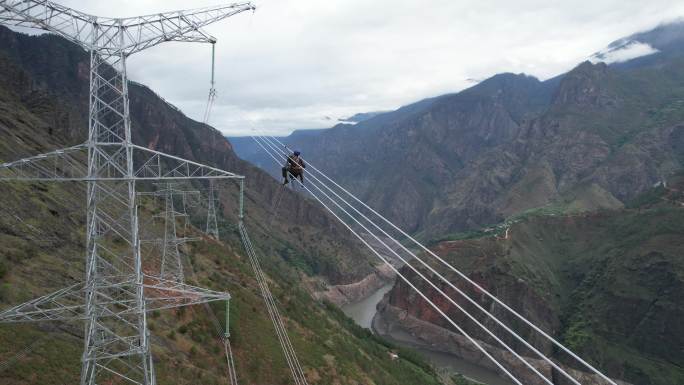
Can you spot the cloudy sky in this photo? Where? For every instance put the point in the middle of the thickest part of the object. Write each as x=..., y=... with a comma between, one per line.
x=306, y=63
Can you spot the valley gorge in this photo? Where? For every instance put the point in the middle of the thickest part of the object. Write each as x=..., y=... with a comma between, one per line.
x=562, y=197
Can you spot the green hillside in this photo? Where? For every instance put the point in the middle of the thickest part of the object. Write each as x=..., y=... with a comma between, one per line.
x=42, y=249
x=608, y=284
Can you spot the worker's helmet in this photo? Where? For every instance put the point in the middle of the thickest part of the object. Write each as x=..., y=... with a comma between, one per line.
x=297, y=153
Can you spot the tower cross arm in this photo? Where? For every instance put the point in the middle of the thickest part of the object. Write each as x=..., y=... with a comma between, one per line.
x=113, y=35
x=67, y=303
x=64, y=21
x=146, y=31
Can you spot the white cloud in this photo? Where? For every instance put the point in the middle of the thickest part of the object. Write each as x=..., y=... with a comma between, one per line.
x=624, y=52
x=295, y=62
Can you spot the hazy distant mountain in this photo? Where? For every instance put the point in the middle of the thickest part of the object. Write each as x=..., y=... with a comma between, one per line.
x=246, y=148
x=361, y=116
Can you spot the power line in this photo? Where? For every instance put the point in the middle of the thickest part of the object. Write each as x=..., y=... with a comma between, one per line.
x=399, y=274
x=274, y=148
x=440, y=291
x=221, y=334
x=464, y=276
x=284, y=340
x=454, y=287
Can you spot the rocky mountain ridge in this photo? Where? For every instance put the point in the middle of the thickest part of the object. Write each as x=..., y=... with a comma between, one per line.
x=607, y=284
x=596, y=136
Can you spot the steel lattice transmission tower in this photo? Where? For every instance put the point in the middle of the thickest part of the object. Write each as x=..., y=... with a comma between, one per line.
x=116, y=293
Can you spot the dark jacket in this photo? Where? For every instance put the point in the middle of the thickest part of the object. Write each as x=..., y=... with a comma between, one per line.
x=295, y=163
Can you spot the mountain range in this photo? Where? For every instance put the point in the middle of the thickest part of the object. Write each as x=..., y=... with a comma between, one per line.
x=563, y=197
x=463, y=161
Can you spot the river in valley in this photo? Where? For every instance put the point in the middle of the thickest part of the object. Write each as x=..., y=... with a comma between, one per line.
x=364, y=311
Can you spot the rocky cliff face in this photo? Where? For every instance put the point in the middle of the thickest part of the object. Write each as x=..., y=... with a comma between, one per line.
x=607, y=285
x=597, y=134
x=394, y=320
x=353, y=292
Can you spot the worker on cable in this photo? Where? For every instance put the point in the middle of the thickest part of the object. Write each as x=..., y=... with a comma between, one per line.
x=295, y=167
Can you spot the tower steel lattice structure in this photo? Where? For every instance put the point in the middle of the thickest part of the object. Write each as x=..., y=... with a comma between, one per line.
x=170, y=262
x=212, y=202
x=116, y=294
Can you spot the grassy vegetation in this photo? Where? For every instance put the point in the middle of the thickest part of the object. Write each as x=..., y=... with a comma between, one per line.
x=648, y=198
x=616, y=279
x=330, y=346
x=473, y=234
x=613, y=280
x=582, y=199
